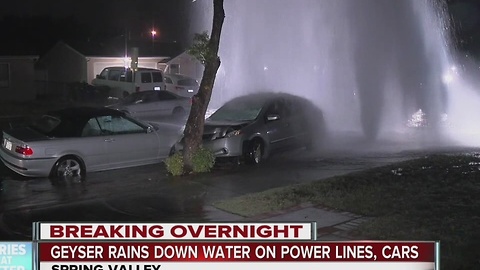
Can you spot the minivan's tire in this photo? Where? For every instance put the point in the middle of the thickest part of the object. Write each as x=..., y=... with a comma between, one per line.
x=68, y=167
x=178, y=113
x=255, y=152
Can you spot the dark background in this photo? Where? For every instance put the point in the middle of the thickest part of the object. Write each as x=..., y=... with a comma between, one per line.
x=33, y=26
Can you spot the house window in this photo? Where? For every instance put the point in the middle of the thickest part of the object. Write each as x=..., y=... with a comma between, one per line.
x=4, y=75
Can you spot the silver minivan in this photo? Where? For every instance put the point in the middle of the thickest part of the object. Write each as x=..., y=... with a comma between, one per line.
x=122, y=81
x=254, y=126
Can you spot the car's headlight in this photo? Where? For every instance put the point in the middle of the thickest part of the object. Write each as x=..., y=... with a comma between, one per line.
x=232, y=132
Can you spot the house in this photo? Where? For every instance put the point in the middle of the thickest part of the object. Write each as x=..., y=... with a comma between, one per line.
x=80, y=62
x=17, y=76
x=186, y=64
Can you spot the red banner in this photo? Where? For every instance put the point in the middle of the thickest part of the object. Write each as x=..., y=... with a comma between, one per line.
x=359, y=251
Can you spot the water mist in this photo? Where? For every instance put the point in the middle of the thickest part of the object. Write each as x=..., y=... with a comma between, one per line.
x=368, y=64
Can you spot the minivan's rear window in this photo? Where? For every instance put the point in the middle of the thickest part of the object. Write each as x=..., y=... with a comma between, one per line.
x=145, y=77
x=157, y=77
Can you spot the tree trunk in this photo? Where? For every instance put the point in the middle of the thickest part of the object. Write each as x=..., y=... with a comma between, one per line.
x=194, y=126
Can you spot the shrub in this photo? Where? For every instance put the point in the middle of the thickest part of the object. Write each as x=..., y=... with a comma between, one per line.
x=174, y=164
x=203, y=160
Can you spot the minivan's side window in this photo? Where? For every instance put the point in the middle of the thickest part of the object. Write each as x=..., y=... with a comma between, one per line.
x=145, y=77
x=126, y=76
x=114, y=75
x=129, y=76
x=103, y=74
x=157, y=77
x=278, y=107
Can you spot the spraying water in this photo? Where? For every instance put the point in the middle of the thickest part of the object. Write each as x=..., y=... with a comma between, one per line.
x=369, y=64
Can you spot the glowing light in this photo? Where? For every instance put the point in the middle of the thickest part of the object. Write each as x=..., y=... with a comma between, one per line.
x=265, y=68
x=153, y=33
x=447, y=78
x=450, y=75
x=127, y=61
x=418, y=119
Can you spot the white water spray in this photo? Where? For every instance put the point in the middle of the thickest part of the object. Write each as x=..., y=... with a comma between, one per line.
x=369, y=64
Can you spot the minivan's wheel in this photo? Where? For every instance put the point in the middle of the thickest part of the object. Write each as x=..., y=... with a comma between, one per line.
x=178, y=113
x=255, y=152
x=68, y=167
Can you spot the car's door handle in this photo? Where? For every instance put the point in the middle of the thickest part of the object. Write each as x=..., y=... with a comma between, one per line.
x=109, y=140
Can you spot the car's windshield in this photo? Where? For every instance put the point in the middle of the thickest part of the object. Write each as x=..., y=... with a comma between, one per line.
x=238, y=110
x=45, y=124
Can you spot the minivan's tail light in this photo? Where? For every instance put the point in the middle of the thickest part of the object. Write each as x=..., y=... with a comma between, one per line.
x=24, y=150
x=137, y=88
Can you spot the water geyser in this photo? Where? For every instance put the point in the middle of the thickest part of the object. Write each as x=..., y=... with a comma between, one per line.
x=369, y=64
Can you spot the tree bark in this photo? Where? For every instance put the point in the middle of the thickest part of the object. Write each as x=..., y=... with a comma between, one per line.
x=194, y=127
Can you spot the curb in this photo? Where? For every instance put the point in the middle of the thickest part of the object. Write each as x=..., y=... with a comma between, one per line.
x=347, y=229
x=279, y=212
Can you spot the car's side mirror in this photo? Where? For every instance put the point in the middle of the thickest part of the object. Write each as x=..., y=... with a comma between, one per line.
x=99, y=77
x=273, y=117
x=149, y=129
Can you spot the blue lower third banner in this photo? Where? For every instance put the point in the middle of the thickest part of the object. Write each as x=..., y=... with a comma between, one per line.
x=16, y=256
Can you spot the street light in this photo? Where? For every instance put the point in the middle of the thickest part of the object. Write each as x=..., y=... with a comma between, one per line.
x=154, y=33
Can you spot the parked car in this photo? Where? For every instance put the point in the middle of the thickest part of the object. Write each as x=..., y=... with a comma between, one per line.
x=253, y=127
x=181, y=84
x=147, y=104
x=121, y=81
x=70, y=142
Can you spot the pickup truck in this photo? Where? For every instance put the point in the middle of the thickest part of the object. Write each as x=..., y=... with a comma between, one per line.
x=121, y=82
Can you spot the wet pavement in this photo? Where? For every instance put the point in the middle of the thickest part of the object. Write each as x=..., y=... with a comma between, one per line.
x=147, y=193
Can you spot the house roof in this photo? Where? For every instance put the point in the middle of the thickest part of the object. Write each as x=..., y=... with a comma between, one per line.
x=115, y=49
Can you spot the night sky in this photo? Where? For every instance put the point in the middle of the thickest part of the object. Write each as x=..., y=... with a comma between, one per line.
x=44, y=22
x=35, y=25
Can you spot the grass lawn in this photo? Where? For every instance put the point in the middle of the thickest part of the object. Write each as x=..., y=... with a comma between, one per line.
x=433, y=198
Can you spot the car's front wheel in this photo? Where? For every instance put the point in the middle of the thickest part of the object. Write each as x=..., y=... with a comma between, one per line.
x=68, y=167
x=255, y=152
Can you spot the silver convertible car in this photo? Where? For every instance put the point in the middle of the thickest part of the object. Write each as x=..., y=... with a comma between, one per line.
x=252, y=127
x=72, y=141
